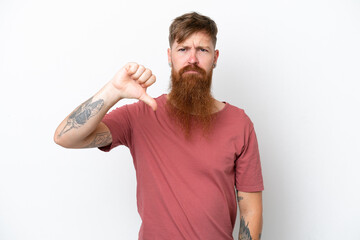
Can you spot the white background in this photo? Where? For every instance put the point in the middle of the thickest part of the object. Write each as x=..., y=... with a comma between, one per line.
x=292, y=65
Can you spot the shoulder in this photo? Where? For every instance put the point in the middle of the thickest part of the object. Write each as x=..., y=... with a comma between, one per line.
x=139, y=112
x=237, y=115
x=141, y=107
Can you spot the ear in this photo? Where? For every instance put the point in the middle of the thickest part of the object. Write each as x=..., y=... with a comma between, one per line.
x=169, y=55
x=216, y=56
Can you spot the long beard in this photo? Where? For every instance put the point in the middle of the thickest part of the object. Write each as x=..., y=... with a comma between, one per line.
x=190, y=100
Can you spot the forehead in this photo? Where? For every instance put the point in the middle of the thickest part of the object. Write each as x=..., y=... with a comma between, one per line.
x=196, y=39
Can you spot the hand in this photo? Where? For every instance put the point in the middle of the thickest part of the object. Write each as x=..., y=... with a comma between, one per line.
x=132, y=81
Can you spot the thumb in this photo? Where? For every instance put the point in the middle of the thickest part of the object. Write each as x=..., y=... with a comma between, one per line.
x=149, y=101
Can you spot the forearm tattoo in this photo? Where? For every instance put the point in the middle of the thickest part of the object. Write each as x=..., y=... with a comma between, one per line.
x=101, y=139
x=82, y=114
x=244, y=233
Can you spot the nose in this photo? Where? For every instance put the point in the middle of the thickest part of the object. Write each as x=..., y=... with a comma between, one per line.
x=193, y=58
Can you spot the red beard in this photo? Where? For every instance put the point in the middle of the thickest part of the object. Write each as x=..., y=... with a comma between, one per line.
x=190, y=99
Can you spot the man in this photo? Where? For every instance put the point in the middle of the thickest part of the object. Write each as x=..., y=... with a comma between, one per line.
x=189, y=149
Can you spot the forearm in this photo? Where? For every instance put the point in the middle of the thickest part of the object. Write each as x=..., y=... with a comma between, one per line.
x=82, y=127
x=250, y=205
x=79, y=124
x=250, y=225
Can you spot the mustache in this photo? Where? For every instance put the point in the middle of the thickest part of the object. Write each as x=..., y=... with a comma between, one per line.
x=192, y=67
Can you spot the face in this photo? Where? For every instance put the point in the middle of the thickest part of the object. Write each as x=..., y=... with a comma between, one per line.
x=191, y=74
x=198, y=49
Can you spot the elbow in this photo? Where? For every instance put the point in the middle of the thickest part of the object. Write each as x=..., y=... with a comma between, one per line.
x=252, y=211
x=59, y=140
x=67, y=141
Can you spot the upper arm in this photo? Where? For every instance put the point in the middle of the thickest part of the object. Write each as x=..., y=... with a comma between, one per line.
x=100, y=137
x=249, y=201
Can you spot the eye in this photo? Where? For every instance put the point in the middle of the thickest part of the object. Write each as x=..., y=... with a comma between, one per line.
x=203, y=50
x=181, y=49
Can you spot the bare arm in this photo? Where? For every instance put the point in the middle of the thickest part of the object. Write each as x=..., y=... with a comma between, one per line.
x=79, y=128
x=250, y=205
x=83, y=127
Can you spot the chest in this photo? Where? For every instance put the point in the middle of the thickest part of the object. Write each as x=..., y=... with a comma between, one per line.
x=167, y=147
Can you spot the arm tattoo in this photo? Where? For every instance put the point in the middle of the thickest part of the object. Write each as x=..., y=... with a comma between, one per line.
x=244, y=233
x=238, y=197
x=83, y=113
x=101, y=139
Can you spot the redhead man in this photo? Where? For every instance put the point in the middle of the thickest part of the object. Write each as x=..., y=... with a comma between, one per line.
x=195, y=157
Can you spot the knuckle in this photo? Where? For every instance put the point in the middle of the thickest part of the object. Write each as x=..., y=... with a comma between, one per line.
x=132, y=68
x=132, y=64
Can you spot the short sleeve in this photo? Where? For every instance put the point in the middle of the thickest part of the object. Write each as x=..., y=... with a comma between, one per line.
x=119, y=124
x=248, y=175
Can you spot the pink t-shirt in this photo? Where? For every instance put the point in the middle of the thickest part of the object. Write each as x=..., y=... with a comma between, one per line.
x=185, y=189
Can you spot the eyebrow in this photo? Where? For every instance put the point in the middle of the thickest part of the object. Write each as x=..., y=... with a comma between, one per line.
x=198, y=47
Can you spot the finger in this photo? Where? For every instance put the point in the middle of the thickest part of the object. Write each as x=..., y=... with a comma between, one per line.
x=138, y=72
x=149, y=82
x=145, y=76
x=131, y=68
x=149, y=101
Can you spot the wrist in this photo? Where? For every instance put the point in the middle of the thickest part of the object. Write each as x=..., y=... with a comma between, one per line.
x=110, y=94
